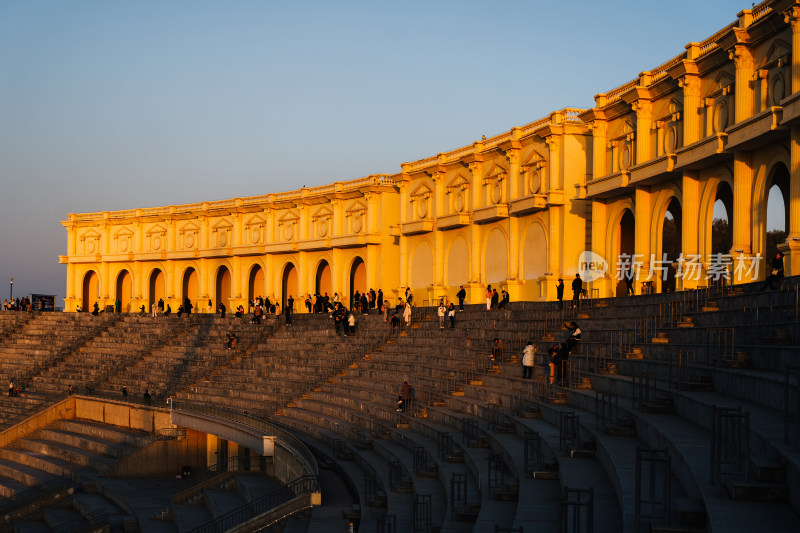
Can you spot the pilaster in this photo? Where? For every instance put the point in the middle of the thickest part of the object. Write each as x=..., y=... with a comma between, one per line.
x=792, y=17
x=644, y=121
x=792, y=262
x=690, y=230
x=742, y=57
x=644, y=221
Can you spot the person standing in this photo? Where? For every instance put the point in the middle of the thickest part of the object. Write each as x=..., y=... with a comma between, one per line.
x=495, y=299
x=187, y=306
x=628, y=281
x=160, y=305
x=95, y=309
x=461, y=295
x=488, y=297
x=451, y=314
x=117, y=306
x=442, y=311
x=407, y=314
x=527, y=361
x=577, y=289
x=11, y=387
x=288, y=310
x=221, y=310
x=560, y=293
x=776, y=274
x=405, y=397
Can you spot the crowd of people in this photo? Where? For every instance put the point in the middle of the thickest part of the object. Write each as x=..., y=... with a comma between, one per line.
x=17, y=304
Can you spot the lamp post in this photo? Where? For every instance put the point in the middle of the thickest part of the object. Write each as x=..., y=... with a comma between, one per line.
x=11, y=290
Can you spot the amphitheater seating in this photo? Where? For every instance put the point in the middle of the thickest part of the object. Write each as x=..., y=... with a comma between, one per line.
x=656, y=378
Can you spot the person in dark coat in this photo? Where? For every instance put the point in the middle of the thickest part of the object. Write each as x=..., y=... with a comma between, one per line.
x=776, y=274
x=577, y=289
x=560, y=293
x=405, y=397
x=461, y=295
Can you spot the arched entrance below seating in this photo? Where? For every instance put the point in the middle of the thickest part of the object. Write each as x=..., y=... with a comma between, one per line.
x=358, y=278
x=190, y=287
x=777, y=209
x=157, y=287
x=255, y=283
x=124, y=289
x=289, y=284
x=625, y=247
x=222, y=287
x=323, y=281
x=91, y=290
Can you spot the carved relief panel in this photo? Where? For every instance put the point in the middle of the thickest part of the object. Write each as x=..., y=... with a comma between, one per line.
x=421, y=202
x=189, y=236
x=356, y=218
x=222, y=234
x=156, y=238
x=322, y=223
x=90, y=242
x=288, y=227
x=123, y=241
x=254, y=230
x=493, y=183
x=457, y=192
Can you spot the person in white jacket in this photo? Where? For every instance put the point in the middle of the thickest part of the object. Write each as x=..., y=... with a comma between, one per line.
x=527, y=361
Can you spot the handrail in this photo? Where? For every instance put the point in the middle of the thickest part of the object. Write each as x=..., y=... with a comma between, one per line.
x=232, y=464
x=32, y=494
x=293, y=489
x=282, y=438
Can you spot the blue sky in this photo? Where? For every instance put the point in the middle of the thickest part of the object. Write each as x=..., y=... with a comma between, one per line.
x=117, y=105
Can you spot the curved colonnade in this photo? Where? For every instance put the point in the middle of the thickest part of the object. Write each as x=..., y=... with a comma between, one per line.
x=717, y=124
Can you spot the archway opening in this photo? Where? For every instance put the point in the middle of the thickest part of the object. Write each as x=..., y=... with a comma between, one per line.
x=124, y=289
x=157, y=287
x=91, y=290
x=255, y=283
x=722, y=221
x=288, y=283
x=190, y=287
x=322, y=283
x=358, y=278
x=671, y=245
x=626, y=246
x=777, y=213
x=222, y=287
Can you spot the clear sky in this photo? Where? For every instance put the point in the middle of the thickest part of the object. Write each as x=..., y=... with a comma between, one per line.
x=116, y=105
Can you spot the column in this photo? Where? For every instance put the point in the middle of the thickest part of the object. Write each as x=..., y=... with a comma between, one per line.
x=792, y=262
x=792, y=17
x=644, y=121
x=599, y=235
x=642, y=246
x=743, y=58
x=691, y=102
x=743, y=175
x=690, y=226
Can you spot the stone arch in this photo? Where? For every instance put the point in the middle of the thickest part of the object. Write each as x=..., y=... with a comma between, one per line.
x=90, y=291
x=535, y=251
x=358, y=277
x=621, y=239
x=778, y=176
x=421, y=275
x=190, y=286
x=772, y=172
x=255, y=282
x=457, y=262
x=157, y=286
x=718, y=187
x=288, y=282
x=323, y=277
x=495, y=258
x=222, y=286
x=668, y=201
x=124, y=289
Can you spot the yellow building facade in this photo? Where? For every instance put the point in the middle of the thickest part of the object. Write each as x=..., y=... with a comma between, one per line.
x=719, y=122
